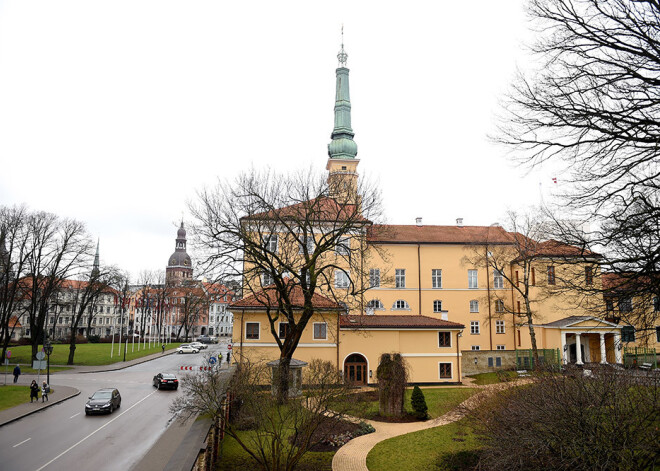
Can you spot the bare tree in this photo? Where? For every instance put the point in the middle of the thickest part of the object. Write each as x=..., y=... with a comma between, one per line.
x=300, y=233
x=592, y=106
x=193, y=302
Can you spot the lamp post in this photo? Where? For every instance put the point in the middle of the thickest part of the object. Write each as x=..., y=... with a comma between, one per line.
x=48, y=349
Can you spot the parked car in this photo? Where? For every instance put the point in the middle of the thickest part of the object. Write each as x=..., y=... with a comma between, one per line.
x=103, y=401
x=187, y=349
x=199, y=346
x=166, y=380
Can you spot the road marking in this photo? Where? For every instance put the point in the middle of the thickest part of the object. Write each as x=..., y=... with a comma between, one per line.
x=75, y=415
x=22, y=442
x=101, y=427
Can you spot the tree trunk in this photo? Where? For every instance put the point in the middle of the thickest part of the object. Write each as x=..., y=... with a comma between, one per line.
x=532, y=337
x=282, y=380
x=72, y=346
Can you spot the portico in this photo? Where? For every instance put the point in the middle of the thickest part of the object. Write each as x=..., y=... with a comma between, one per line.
x=586, y=339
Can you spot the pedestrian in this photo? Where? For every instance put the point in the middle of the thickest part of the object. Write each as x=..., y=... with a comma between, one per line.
x=17, y=373
x=163, y=347
x=45, y=389
x=34, y=391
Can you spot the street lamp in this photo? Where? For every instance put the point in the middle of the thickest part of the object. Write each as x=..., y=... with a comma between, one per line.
x=48, y=349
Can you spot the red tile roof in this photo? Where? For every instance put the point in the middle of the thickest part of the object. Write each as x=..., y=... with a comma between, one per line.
x=398, y=234
x=396, y=322
x=269, y=297
x=555, y=248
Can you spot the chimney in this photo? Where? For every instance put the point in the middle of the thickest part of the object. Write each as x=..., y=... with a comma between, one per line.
x=418, y=221
x=459, y=222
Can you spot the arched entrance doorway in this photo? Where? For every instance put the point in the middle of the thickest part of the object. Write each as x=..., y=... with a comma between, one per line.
x=355, y=369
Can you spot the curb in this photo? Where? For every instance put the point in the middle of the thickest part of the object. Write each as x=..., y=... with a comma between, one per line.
x=136, y=362
x=50, y=404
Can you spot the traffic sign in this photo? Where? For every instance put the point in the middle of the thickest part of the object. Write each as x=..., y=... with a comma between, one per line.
x=41, y=355
x=229, y=347
x=38, y=365
x=212, y=360
x=8, y=354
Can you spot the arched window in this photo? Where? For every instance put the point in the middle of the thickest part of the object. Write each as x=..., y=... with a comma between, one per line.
x=437, y=306
x=400, y=304
x=375, y=304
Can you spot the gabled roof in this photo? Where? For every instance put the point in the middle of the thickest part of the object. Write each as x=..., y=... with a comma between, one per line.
x=268, y=297
x=555, y=248
x=401, y=234
x=324, y=210
x=396, y=322
x=573, y=320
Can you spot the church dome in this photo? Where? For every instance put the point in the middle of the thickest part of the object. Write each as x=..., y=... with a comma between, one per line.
x=342, y=148
x=179, y=259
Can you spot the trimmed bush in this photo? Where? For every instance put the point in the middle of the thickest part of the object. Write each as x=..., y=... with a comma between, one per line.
x=418, y=402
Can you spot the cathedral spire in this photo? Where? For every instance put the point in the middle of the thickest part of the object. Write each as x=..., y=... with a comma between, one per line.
x=342, y=145
x=95, y=269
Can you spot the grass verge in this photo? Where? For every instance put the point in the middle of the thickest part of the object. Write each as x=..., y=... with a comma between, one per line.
x=439, y=401
x=11, y=396
x=88, y=354
x=448, y=447
x=493, y=377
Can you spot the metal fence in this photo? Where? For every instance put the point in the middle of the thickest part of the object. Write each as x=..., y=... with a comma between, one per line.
x=635, y=357
x=548, y=358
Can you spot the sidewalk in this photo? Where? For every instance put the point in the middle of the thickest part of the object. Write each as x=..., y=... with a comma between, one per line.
x=60, y=394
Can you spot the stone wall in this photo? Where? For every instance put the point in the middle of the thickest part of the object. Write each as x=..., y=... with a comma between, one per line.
x=468, y=367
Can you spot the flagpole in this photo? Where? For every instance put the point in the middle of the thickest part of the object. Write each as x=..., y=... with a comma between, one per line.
x=112, y=350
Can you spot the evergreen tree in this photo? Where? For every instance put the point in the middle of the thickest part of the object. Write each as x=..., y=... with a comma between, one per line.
x=418, y=402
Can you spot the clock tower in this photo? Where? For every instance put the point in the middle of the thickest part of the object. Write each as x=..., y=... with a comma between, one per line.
x=179, y=265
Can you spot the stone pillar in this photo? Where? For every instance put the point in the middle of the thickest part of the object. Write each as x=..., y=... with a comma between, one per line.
x=564, y=348
x=603, y=354
x=617, y=345
x=578, y=350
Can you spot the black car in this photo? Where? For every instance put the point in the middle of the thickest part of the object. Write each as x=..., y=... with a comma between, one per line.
x=103, y=401
x=166, y=380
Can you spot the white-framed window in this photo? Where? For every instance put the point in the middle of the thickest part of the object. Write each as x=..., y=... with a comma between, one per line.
x=436, y=278
x=473, y=281
x=320, y=331
x=400, y=304
x=498, y=279
x=499, y=305
x=437, y=306
x=500, y=347
x=444, y=370
x=270, y=243
x=341, y=279
x=474, y=327
x=309, y=242
x=374, y=277
x=499, y=327
x=266, y=280
x=476, y=348
x=444, y=339
x=283, y=330
x=252, y=330
x=343, y=246
x=375, y=304
x=400, y=278
x=474, y=306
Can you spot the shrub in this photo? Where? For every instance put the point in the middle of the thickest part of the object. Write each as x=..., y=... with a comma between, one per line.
x=606, y=421
x=94, y=339
x=392, y=377
x=418, y=402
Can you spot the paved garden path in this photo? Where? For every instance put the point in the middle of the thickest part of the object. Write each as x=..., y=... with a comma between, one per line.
x=353, y=455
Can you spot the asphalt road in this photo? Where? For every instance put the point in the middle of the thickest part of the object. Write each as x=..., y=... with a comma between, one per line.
x=62, y=437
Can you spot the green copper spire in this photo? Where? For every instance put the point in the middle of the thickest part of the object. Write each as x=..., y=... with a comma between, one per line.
x=342, y=146
x=95, y=269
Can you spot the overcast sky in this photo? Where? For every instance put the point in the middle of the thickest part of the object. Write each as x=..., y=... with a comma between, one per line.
x=117, y=112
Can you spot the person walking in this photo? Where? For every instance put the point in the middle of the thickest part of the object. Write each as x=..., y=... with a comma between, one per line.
x=45, y=389
x=163, y=346
x=17, y=373
x=34, y=391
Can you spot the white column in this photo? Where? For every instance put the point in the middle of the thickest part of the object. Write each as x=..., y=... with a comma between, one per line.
x=603, y=354
x=564, y=350
x=578, y=350
x=617, y=344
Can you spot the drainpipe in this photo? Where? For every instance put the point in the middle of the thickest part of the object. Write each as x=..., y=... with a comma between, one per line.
x=490, y=316
x=419, y=278
x=513, y=311
x=240, y=358
x=458, y=358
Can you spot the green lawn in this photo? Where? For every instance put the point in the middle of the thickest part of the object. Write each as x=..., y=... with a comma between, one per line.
x=438, y=400
x=426, y=449
x=493, y=377
x=11, y=396
x=234, y=458
x=90, y=354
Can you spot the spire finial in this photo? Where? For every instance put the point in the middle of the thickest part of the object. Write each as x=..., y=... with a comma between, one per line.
x=342, y=56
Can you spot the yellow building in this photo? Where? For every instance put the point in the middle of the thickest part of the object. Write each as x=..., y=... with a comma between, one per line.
x=431, y=297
